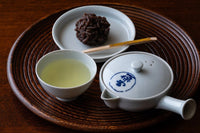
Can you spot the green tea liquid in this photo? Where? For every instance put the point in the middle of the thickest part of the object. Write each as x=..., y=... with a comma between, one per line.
x=65, y=73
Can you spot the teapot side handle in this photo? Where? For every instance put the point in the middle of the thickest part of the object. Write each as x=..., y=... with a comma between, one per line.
x=185, y=108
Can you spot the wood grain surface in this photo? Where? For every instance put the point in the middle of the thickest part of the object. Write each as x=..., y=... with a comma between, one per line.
x=16, y=16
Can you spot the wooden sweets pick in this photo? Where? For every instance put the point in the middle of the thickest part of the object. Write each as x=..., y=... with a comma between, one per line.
x=133, y=42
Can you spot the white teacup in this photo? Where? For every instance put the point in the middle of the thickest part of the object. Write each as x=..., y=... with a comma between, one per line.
x=60, y=73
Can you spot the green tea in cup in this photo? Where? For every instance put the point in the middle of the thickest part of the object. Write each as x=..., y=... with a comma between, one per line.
x=65, y=73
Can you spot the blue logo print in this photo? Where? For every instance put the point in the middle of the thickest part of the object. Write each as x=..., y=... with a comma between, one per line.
x=122, y=81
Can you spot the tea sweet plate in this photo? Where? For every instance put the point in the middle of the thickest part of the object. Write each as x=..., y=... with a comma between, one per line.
x=121, y=29
x=88, y=112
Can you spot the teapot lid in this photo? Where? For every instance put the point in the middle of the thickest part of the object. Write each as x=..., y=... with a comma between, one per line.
x=136, y=75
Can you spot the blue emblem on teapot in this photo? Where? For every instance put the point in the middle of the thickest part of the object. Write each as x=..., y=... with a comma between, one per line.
x=122, y=81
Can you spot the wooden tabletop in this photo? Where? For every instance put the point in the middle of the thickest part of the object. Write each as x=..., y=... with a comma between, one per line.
x=17, y=15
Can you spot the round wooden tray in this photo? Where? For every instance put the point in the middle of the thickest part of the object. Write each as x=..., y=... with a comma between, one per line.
x=89, y=112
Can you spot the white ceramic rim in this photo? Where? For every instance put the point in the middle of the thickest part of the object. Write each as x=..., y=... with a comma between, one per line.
x=66, y=50
x=99, y=59
x=137, y=99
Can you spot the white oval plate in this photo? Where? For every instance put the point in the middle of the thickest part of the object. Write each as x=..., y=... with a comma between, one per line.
x=121, y=29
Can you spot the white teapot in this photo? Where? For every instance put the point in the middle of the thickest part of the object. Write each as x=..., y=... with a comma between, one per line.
x=137, y=81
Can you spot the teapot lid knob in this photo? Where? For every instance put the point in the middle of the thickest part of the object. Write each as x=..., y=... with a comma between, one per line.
x=137, y=66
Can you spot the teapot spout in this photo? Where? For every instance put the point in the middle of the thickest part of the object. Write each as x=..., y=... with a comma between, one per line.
x=186, y=108
x=109, y=99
